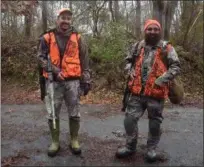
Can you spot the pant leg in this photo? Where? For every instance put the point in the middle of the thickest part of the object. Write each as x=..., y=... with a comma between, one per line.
x=135, y=109
x=155, y=108
x=58, y=98
x=72, y=98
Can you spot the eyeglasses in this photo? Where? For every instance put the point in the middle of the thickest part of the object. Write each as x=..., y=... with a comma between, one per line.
x=155, y=29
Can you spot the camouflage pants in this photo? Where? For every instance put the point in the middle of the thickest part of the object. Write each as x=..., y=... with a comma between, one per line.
x=69, y=91
x=135, y=109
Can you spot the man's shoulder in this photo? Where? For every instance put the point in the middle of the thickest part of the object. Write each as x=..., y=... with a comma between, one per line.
x=49, y=30
x=138, y=44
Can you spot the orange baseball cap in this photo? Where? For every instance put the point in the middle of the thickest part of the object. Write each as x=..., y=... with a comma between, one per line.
x=64, y=10
x=149, y=22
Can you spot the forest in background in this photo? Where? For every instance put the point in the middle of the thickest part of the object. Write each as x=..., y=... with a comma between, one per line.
x=108, y=27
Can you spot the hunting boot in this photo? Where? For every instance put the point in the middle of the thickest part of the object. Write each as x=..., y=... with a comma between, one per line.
x=131, y=129
x=54, y=147
x=153, y=139
x=74, y=126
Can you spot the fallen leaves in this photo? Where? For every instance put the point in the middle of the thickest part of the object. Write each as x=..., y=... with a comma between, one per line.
x=14, y=160
x=19, y=94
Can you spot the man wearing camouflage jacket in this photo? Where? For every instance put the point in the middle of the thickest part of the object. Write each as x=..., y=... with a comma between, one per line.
x=148, y=83
x=70, y=66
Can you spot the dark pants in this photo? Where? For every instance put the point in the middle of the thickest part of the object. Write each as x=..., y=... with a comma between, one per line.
x=135, y=109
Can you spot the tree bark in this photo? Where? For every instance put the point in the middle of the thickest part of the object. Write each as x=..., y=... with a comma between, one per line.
x=111, y=10
x=44, y=15
x=158, y=10
x=169, y=12
x=28, y=21
x=70, y=5
x=138, y=19
x=116, y=11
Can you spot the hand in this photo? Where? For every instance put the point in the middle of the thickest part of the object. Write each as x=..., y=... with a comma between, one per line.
x=127, y=67
x=85, y=88
x=55, y=69
x=159, y=81
x=131, y=73
x=60, y=76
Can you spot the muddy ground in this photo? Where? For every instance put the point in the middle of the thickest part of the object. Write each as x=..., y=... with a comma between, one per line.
x=25, y=137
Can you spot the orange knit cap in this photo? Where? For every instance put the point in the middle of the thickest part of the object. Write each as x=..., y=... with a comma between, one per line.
x=149, y=22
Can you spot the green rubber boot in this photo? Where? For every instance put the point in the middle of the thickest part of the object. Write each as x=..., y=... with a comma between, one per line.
x=54, y=147
x=74, y=126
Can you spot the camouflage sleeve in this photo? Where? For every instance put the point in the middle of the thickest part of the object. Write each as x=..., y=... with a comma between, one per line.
x=42, y=53
x=84, y=60
x=129, y=57
x=42, y=56
x=174, y=67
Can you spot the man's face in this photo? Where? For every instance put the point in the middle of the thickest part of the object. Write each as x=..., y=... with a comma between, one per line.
x=64, y=21
x=152, y=34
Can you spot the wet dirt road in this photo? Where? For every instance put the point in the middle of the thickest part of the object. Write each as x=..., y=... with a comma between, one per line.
x=25, y=137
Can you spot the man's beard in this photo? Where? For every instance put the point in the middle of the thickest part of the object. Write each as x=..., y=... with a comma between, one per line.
x=152, y=39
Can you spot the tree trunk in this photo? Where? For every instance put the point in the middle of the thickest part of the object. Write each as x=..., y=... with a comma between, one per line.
x=95, y=15
x=44, y=15
x=138, y=19
x=158, y=10
x=95, y=24
x=70, y=5
x=150, y=4
x=169, y=12
x=187, y=18
x=28, y=21
x=111, y=10
x=126, y=15
x=116, y=11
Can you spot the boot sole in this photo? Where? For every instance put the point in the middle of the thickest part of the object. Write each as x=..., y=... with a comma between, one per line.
x=75, y=152
x=53, y=154
x=125, y=155
x=151, y=160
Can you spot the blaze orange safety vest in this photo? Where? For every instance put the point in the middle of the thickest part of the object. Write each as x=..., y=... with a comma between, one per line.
x=70, y=63
x=158, y=68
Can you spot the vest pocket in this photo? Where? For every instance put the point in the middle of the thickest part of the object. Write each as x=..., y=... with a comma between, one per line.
x=72, y=66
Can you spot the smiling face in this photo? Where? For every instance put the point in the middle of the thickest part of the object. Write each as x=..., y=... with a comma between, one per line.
x=152, y=34
x=64, y=21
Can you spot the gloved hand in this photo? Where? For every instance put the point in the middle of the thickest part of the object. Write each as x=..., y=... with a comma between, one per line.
x=85, y=88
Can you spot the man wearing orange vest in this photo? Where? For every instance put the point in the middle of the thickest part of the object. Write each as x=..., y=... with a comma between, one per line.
x=70, y=67
x=148, y=83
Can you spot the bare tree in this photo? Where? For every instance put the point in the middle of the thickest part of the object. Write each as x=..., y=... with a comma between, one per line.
x=111, y=10
x=163, y=11
x=28, y=23
x=189, y=13
x=169, y=10
x=95, y=11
